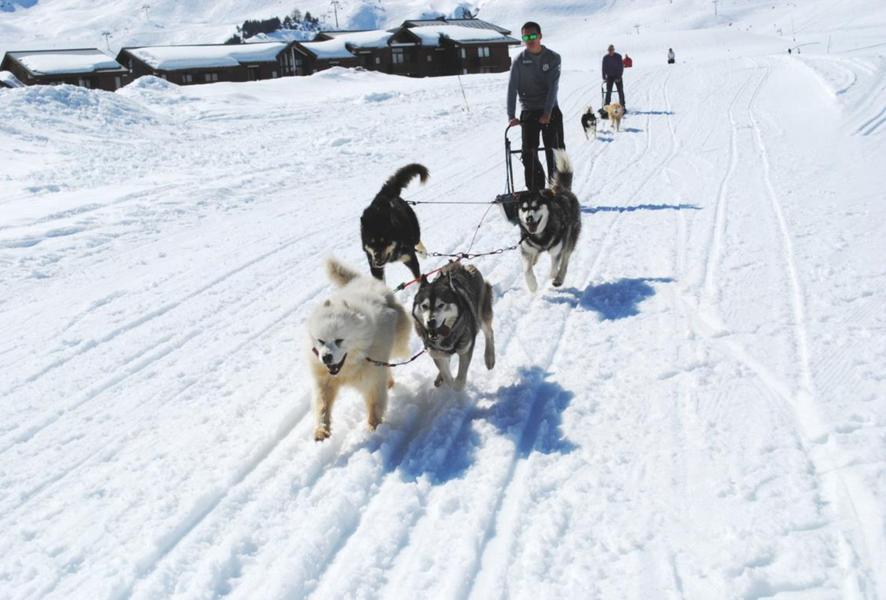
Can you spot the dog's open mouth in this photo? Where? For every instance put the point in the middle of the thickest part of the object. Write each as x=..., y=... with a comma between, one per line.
x=334, y=369
x=531, y=227
x=441, y=332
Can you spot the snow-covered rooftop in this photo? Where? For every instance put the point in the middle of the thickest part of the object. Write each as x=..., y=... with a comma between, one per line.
x=430, y=34
x=374, y=38
x=175, y=58
x=62, y=62
x=329, y=49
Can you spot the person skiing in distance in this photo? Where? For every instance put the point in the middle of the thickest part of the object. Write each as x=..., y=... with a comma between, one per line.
x=671, y=56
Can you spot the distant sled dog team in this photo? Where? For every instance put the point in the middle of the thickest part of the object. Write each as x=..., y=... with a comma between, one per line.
x=356, y=331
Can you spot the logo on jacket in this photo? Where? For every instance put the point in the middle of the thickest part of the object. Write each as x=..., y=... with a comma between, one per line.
x=545, y=67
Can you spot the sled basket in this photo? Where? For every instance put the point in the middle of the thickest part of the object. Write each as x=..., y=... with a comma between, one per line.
x=511, y=199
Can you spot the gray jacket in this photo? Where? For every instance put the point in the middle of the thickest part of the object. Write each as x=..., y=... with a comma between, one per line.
x=535, y=78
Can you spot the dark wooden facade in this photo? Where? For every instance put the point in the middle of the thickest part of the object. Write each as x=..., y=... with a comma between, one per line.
x=404, y=51
x=413, y=57
x=308, y=59
x=179, y=72
x=110, y=76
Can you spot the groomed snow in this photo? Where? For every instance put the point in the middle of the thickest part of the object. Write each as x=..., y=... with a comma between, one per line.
x=699, y=412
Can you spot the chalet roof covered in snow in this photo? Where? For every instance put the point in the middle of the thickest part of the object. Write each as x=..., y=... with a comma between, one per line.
x=173, y=58
x=336, y=48
x=373, y=38
x=472, y=23
x=431, y=35
x=65, y=62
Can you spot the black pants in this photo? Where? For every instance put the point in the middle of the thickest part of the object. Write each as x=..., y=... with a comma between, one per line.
x=551, y=135
x=619, y=84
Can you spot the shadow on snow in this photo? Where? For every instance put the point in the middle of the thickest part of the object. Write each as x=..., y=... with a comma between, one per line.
x=528, y=412
x=612, y=301
x=623, y=209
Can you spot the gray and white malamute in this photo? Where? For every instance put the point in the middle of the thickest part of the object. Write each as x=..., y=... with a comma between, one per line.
x=550, y=221
x=448, y=313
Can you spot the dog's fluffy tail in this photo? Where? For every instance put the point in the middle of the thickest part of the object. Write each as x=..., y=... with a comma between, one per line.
x=401, y=179
x=563, y=175
x=339, y=273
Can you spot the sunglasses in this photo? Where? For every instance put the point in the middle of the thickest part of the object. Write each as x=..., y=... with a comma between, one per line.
x=530, y=36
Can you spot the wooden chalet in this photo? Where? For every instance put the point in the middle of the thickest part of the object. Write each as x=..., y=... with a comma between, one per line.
x=86, y=67
x=209, y=63
x=370, y=47
x=432, y=50
x=334, y=51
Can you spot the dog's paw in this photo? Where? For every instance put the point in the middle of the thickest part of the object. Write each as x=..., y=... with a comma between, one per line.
x=489, y=359
x=390, y=383
x=557, y=282
x=321, y=433
x=372, y=423
x=531, y=283
x=458, y=384
x=439, y=381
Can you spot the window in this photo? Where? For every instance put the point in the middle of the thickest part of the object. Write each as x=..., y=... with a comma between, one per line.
x=118, y=82
x=483, y=51
x=211, y=77
x=378, y=60
x=274, y=74
x=85, y=83
x=187, y=78
x=464, y=53
x=397, y=56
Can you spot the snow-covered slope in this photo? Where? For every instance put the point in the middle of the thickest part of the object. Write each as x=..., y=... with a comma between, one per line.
x=699, y=413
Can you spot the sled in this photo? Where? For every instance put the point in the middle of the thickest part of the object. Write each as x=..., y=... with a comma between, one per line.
x=602, y=113
x=511, y=198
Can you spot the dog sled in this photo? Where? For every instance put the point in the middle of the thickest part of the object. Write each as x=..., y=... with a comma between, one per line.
x=510, y=200
x=602, y=113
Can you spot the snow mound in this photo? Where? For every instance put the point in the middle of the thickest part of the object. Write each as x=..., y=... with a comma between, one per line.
x=72, y=108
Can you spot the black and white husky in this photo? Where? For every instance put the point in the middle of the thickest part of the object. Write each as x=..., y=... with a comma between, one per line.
x=589, y=123
x=389, y=228
x=550, y=221
x=448, y=313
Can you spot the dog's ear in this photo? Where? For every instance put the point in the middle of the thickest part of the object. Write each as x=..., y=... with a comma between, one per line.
x=423, y=281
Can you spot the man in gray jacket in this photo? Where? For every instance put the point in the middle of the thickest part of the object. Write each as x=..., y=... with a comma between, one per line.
x=535, y=77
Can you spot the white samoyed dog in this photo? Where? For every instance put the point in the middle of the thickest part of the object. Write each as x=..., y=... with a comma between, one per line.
x=361, y=320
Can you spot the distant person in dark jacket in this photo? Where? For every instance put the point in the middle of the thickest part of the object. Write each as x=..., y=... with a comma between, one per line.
x=671, y=56
x=613, y=67
x=535, y=78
